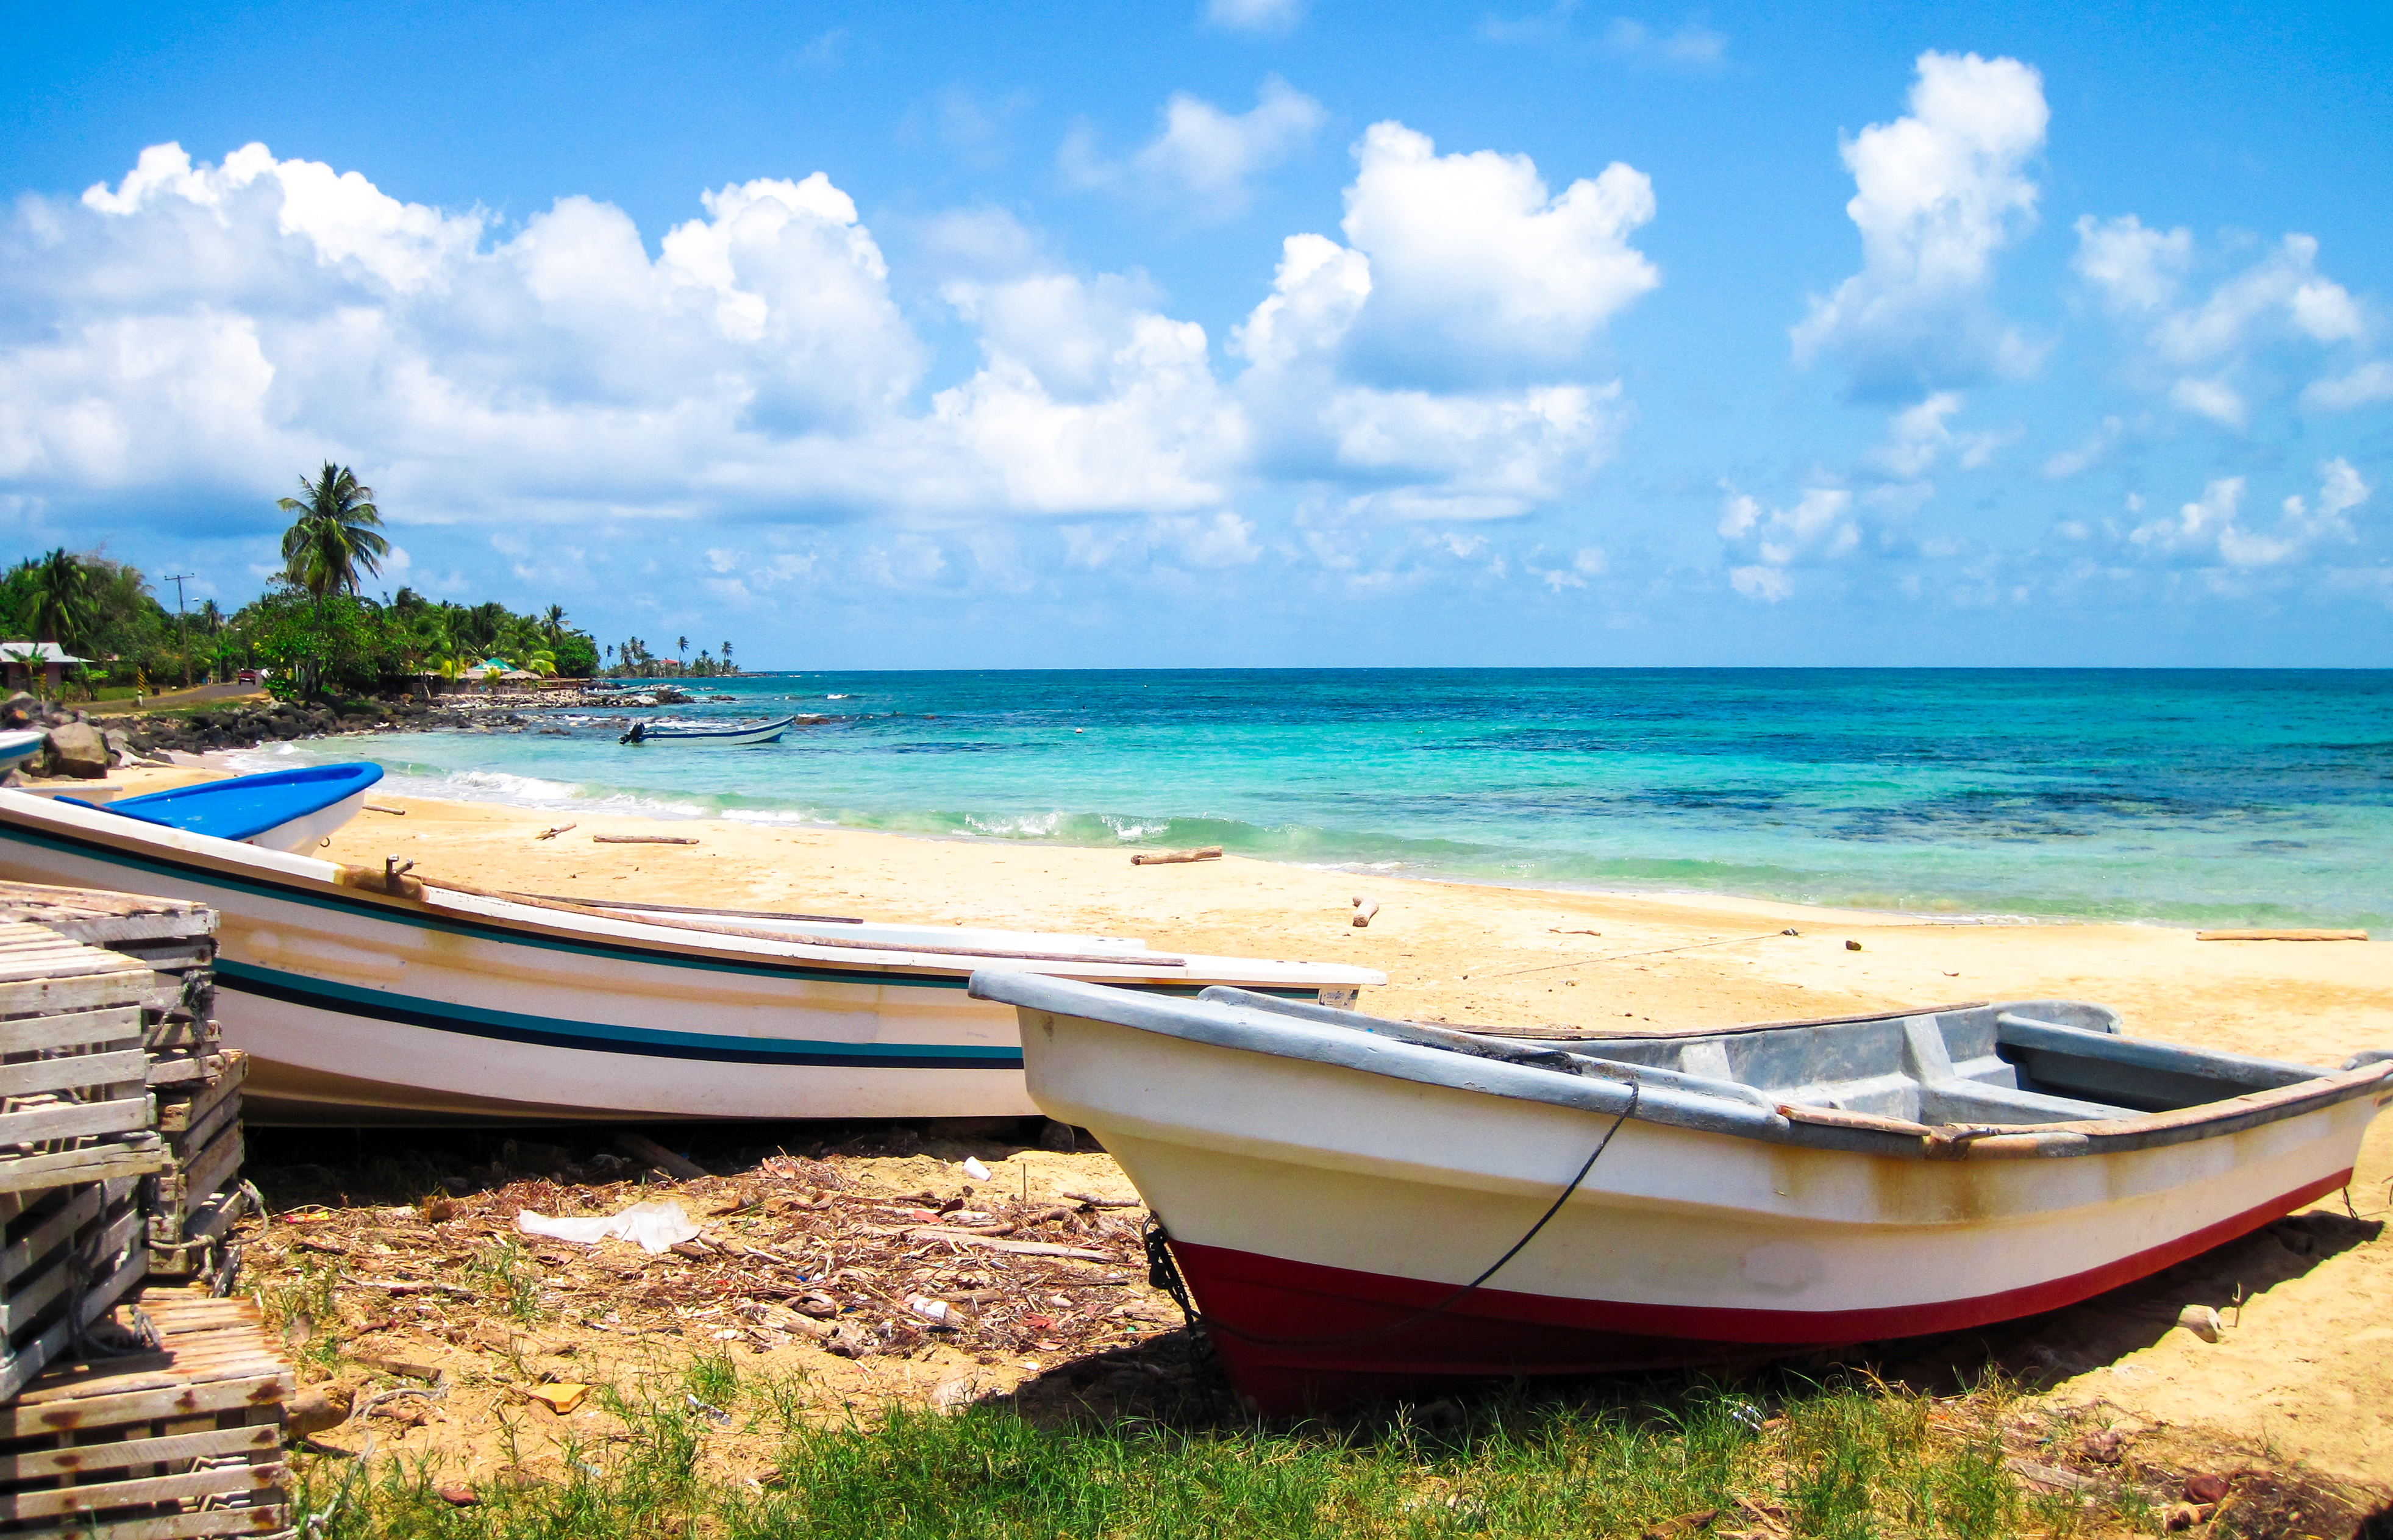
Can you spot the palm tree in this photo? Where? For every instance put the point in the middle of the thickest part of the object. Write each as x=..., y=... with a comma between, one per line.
x=552, y=625
x=681, y=650
x=334, y=541
x=726, y=659
x=63, y=603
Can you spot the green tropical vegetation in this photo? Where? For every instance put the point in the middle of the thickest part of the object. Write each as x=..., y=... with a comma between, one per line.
x=313, y=631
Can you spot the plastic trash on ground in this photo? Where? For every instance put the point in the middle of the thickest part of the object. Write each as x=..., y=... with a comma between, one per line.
x=653, y=1227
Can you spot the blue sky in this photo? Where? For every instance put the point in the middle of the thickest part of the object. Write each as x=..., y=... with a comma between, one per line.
x=1243, y=332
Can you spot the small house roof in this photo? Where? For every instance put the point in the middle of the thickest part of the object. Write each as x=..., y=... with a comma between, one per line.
x=37, y=652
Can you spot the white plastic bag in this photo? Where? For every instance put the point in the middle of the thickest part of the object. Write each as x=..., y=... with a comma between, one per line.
x=653, y=1227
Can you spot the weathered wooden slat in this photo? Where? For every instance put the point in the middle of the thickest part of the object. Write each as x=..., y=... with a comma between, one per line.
x=183, y=1398
x=180, y=1069
x=119, y=1023
x=120, y=1115
x=137, y=1154
x=262, y=1514
x=90, y=992
x=186, y=1114
x=30, y=1075
x=55, y=1500
x=54, y=1276
x=77, y=1207
x=77, y=1459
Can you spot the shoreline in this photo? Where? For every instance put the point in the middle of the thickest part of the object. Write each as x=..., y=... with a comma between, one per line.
x=217, y=760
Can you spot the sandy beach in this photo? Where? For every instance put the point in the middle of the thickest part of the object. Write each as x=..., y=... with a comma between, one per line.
x=2306, y=1365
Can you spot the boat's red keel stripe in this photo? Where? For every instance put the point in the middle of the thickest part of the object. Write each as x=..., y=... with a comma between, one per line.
x=1308, y=1329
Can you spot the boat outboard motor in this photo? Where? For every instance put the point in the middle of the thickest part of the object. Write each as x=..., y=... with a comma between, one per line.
x=638, y=734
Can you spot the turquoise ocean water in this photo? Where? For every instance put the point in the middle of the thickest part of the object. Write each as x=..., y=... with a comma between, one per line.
x=2179, y=797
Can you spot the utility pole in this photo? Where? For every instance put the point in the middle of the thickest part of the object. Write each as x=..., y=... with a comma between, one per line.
x=182, y=626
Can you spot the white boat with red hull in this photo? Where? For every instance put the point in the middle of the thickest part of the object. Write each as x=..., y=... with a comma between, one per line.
x=1356, y=1203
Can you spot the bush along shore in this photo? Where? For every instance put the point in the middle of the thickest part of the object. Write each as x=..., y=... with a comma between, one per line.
x=83, y=744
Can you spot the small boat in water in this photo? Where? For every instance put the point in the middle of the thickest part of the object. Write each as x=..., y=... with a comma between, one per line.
x=1356, y=1203
x=378, y=994
x=721, y=738
x=277, y=809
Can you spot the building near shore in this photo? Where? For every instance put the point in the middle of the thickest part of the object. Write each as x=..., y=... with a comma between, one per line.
x=25, y=660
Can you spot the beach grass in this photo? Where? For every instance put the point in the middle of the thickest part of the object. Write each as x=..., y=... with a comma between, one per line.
x=1851, y=1460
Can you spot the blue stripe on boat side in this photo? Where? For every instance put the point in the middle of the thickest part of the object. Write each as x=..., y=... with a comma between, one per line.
x=622, y=951
x=596, y=1036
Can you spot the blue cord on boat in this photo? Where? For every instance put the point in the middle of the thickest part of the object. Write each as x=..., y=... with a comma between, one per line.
x=1163, y=1272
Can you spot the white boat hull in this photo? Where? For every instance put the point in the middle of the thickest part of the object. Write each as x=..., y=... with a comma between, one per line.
x=363, y=1007
x=1311, y=1202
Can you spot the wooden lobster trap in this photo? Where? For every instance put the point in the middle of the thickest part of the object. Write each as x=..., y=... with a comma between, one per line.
x=179, y=1438
x=197, y=1195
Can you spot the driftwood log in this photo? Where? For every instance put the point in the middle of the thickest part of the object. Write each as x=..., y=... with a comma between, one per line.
x=2280, y=936
x=1172, y=857
x=642, y=840
x=1364, y=909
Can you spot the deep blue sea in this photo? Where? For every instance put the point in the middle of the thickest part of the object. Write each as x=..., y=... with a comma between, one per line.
x=2177, y=797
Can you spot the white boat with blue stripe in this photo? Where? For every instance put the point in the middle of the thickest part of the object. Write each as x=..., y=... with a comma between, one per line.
x=383, y=995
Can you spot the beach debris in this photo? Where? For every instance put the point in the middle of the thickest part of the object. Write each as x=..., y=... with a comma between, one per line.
x=562, y=1397
x=457, y=1494
x=643, y=840
x=974, y=1169
x=1172, y=857
x=2202, y=1321
x=641, y=1147
x=935, y=1310
x=2280, y=936
x=1556, y=930
x=1095, y=1202
x=2049, y=1478
x=319, y=1409
x=1364, y=909
x=553, y=832
x=1058, y=1137
x=2205, y=1489
x=377, y=807
x=1852, y=946
x=653, y=1227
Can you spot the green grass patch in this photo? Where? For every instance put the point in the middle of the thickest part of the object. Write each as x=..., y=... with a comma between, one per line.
x=712, y=1455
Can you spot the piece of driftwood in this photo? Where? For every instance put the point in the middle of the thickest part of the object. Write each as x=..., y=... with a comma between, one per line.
x=643, y=1147
x=553, y=833
x=378, y=807
x=2280, y=936
x=1173, y=858
x=1364, y=909
x=642, y=840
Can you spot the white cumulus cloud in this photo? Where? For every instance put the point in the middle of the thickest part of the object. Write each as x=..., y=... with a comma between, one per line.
x=1939, y=193
x=1202, y=159
x=1474, y=264
x=2210, y=530
x=2199, y=348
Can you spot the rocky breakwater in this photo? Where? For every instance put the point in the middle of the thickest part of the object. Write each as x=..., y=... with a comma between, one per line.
x=246, y=726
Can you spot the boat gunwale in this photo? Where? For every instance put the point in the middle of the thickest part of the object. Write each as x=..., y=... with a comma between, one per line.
x=247, y=871
x=1668, y=1098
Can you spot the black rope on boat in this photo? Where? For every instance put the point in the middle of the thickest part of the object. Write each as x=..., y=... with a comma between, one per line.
x=1163, y=1272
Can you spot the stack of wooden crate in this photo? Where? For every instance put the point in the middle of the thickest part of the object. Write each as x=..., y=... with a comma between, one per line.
x=197, y=1195
x=183, y=1438
x=151, y=1421
x=77, y=1142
